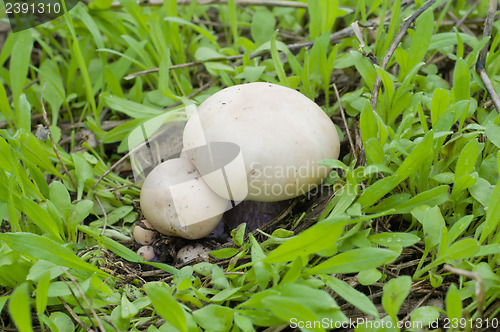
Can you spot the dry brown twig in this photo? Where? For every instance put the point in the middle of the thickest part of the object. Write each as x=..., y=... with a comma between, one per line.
x=358, y=34
x=473, y=20
x=154, y=70
x=408, y=22
x=422, y=301
x=25, y=87
x=122, y=159
x=74, y=315
x=196, y=92
x=104, y=214
x=481, y=61
x=459, y=22
x=480, y=289
x=94, y=314
x=354, y=153
x=54, y=147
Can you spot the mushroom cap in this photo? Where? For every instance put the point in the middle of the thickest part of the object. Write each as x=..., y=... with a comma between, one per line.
x=279, y=132
x=148, y=253
x=143, y=236
x=176, y=201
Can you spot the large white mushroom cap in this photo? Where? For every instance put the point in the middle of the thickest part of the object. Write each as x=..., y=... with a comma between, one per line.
x=278, y=132
x=176, y=200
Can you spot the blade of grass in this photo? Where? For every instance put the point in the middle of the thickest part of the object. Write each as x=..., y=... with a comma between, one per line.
x=19, y=308
x=81, y=63
x=19, y=62
x=233, y=21
x=43, y=248
x=276, y=61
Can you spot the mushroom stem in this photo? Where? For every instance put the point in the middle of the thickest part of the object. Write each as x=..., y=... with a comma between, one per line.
x=254, y=214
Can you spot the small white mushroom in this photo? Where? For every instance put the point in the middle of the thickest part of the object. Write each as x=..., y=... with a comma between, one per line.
x=147, y=224
x=192, y=252
x=148, y=253
x=176, y=201
x=142, y=235
x=266, y=137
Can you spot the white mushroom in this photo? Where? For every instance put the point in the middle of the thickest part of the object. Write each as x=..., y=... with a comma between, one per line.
x=147, y=224
x=192, y=252
x=143, y=235
x=176, y=201
x=260, y=141
x=148, y=253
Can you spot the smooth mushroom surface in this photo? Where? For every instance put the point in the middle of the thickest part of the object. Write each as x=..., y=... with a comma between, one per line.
x=148, y=253
x=142, y=233
x=279, y=135
x=176, y=201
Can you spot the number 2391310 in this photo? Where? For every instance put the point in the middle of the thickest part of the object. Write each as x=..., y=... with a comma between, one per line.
x=32, y=8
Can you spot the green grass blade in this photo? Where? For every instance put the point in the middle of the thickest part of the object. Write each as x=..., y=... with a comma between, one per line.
x=19, y=308
x=81, y=63
x=492, y=215
x=348, y=293
x=167, y=306
x=19, y=62
x=43, y=248
x=319, y=237
x=355, y=260
x=395, y=292
x=277, y=61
